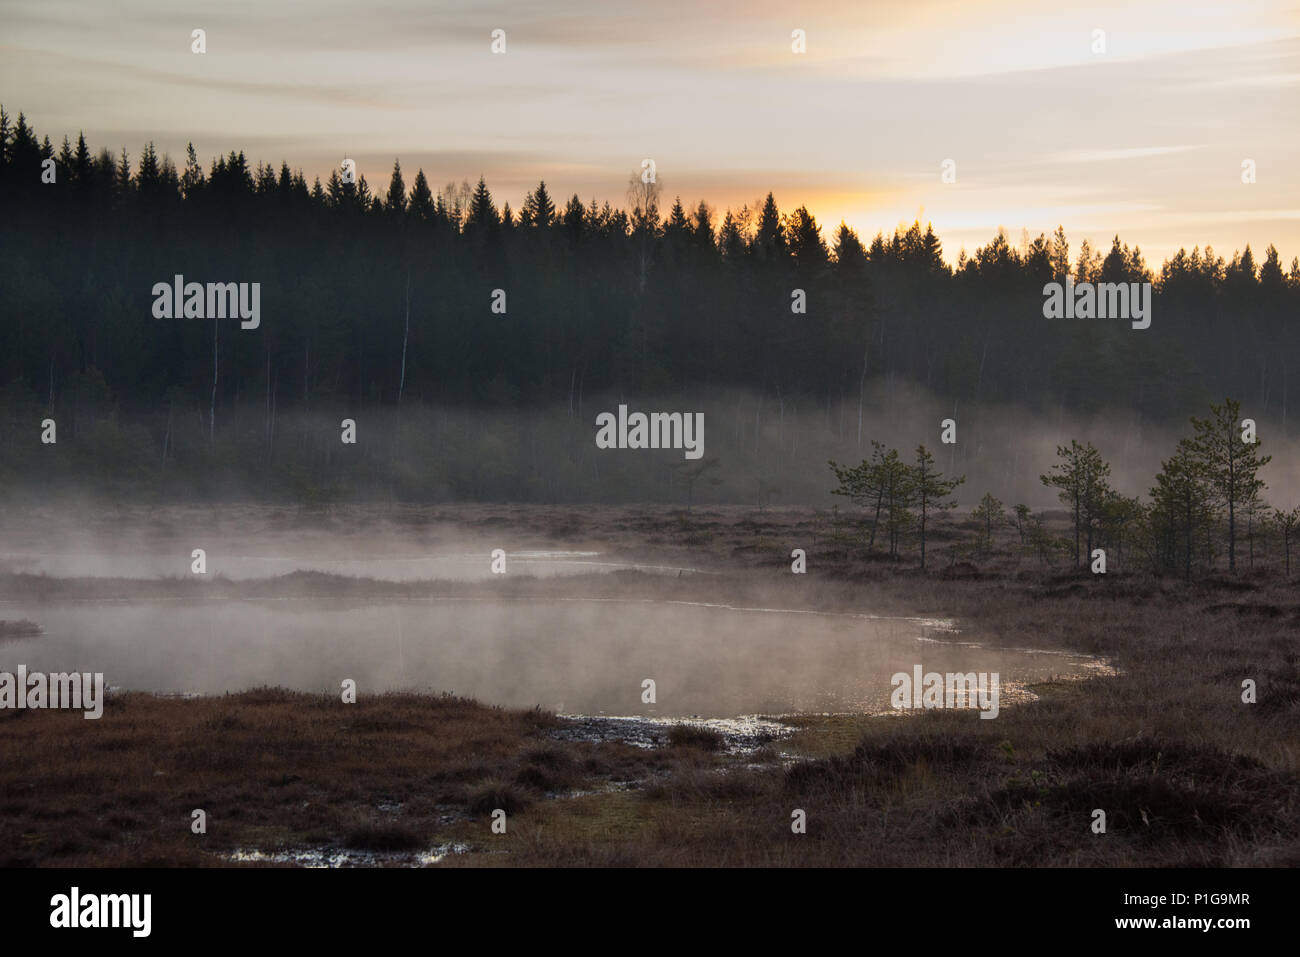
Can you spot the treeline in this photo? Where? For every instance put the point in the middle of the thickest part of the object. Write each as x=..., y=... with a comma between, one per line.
x=379, y=298
x=1206, y=502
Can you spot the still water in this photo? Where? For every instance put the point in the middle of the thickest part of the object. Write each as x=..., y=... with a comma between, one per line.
x=587, y=656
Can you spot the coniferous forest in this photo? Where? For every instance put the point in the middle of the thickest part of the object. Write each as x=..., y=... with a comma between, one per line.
x=408, y=307
x=460, y=436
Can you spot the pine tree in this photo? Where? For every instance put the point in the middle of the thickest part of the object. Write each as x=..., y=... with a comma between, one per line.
x=805, y=239
x=1114, y=268
x=1081, y=480
x=849, y=252
x=1287, y=523
x=1038, y=261
x=1088, y=266
x=1243, y=265
x=988, y=513
x=1271, y=276
x=1022, y=520
x=929, y=490
x=867, y=483
x=1060, y=254
x=1136, y=267
x=1231, y=464
x=1180, y=508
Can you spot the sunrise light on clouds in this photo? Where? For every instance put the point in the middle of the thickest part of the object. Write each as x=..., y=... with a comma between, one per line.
x=1042, y=130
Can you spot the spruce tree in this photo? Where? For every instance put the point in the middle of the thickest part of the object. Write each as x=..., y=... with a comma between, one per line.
x=395, y=200
x=421, y=202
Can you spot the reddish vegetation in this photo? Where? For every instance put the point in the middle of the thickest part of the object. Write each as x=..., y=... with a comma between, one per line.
x=1186, y=772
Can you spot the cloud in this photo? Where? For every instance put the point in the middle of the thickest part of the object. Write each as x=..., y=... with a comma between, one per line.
x=1128, y=153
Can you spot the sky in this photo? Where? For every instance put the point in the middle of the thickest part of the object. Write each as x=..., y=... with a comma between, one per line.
x=1141, y=130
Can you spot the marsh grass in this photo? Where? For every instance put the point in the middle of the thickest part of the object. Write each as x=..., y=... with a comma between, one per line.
x=1187, y=773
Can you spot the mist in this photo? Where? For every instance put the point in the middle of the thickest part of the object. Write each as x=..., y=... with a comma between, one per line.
x=758, y=449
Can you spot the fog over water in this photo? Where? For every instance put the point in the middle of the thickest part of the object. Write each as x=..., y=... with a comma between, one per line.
x=434, y=618
x=460, y=566
x=572, y=656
